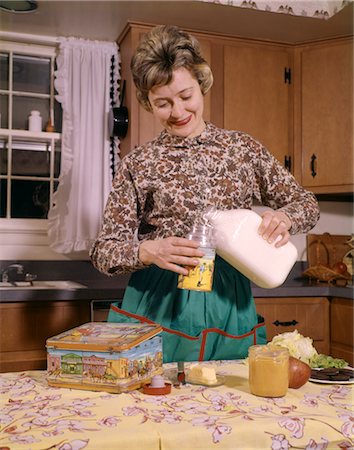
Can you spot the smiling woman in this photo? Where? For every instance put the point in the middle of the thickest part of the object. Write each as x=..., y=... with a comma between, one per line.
x=162, y=188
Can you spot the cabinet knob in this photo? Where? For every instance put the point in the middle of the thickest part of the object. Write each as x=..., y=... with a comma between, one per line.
x=313, y=165
x=277, y=323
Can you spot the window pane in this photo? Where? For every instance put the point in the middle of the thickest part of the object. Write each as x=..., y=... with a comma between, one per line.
x=31, y=74
x=58, y=117
x=30, y=159
x=22, y=107
x=57, y=160
x=4, y=71
x=30, y=199
x=4, y=108
x=3, y=197
x=3, y=157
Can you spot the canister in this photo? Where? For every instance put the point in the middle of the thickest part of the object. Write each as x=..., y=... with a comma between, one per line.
x=200, y=277
x=102, y=356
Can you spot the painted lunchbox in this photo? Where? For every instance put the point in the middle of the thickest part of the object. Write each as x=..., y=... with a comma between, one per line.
x=100, y=356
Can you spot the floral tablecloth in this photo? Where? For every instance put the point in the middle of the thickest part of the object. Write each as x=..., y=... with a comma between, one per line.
x=35, y=416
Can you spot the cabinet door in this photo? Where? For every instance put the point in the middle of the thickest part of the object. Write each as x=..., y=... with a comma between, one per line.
x=342, y=337
x=25, y=327
x=257, y=96
x=327, y=117
x=308, y=315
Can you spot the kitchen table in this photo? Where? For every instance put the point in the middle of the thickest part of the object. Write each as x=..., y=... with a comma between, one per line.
x=35, y=416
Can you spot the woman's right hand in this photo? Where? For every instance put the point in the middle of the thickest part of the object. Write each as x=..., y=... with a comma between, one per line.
x=172, y=253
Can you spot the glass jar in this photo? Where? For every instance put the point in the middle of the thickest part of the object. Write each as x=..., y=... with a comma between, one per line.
x=200, y=277
x=268, y=370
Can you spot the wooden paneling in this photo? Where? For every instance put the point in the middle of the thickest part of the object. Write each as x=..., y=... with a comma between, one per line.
x=25, y=327
x=310, y=316
x=342, y=331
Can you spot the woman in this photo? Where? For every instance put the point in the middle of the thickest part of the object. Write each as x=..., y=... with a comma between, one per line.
x=163, y=187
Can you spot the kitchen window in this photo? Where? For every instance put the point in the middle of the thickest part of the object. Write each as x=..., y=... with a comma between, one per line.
x=29, y=160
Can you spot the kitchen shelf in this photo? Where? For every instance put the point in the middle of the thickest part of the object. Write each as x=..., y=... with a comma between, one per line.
x=29, y=135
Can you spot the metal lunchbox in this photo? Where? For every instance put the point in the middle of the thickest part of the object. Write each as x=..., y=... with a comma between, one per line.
x=100, y=356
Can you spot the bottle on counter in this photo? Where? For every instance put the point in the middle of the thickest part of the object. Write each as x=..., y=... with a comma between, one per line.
x=35, y=121
x=238, y=242
x=200, y=277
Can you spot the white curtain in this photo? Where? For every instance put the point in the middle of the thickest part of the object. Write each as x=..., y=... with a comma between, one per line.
x=320, y=9
x=83, y=81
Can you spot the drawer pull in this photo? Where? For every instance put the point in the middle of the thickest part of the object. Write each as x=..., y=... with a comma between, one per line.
x=285, y=324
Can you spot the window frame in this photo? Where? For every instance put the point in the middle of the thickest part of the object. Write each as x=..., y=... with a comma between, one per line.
x=21, y=230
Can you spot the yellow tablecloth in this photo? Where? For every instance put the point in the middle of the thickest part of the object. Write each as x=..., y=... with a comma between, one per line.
x=35, y=416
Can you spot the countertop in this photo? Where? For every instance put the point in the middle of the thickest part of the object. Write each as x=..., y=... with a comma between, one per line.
x=102, y=287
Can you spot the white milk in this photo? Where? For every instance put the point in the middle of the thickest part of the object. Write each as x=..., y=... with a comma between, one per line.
x=238, y=243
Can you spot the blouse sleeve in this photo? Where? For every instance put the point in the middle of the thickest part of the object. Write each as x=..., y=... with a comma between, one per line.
x=116, y=248
x=279, y=190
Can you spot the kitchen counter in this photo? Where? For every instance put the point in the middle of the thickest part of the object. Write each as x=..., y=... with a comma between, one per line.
x=101, y=287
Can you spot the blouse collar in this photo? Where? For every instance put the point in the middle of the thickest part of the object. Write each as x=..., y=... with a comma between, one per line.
x=171, y=140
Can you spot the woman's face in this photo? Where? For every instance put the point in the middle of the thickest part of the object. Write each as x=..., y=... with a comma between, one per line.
x=179, y=105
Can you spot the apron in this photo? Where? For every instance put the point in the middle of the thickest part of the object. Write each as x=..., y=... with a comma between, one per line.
x=197, y=326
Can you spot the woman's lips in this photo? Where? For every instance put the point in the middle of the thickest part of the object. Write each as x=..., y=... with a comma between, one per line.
x=180, y=123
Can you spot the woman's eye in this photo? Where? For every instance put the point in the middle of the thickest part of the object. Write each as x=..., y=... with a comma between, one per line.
x=162, y=105
x=186, y=98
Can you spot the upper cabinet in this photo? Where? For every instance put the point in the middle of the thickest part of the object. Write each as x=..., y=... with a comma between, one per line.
x=324, y=140
x=257, y=95
x=296, y=100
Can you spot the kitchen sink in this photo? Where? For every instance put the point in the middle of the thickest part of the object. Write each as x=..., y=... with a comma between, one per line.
x=41, y=285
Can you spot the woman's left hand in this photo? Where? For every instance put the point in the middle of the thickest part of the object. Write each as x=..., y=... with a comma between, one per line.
x=275, y=224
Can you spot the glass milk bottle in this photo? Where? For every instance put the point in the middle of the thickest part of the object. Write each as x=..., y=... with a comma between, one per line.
x=238, y=242
x=200, y=277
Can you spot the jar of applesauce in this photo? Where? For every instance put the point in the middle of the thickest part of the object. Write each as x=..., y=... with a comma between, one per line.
x=268, y=370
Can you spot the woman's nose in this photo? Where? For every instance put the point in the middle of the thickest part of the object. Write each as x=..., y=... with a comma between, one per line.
x=177, y=110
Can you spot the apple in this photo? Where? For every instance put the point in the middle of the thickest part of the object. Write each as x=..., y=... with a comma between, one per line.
x=299, y=372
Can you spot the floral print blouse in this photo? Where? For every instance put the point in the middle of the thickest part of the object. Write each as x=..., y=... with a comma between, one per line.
x=162, y=187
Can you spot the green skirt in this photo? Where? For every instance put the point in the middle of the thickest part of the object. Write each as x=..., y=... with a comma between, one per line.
x=197, y=326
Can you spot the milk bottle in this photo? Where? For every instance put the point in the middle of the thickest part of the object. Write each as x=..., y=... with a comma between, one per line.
x=237, y=241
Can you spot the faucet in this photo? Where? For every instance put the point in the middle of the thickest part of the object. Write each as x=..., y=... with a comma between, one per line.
x=12, y=272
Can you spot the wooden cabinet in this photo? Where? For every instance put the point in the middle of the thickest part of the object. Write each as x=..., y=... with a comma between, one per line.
x=308, y=315
x=25, y=327
x=258, y=95
x=296, y=100
x=342, y=337
x=324, y=139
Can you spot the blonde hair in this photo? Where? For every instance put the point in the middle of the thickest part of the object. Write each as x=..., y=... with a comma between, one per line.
x=161, y=51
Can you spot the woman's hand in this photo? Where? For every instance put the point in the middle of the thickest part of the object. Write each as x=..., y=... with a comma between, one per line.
x=171, y=253
x=275, y=224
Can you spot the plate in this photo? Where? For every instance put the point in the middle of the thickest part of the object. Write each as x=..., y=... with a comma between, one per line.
x=315, y=380
x=330, y=381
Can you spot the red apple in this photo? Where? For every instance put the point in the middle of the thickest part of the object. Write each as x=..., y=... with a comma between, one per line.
x=299, y=372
